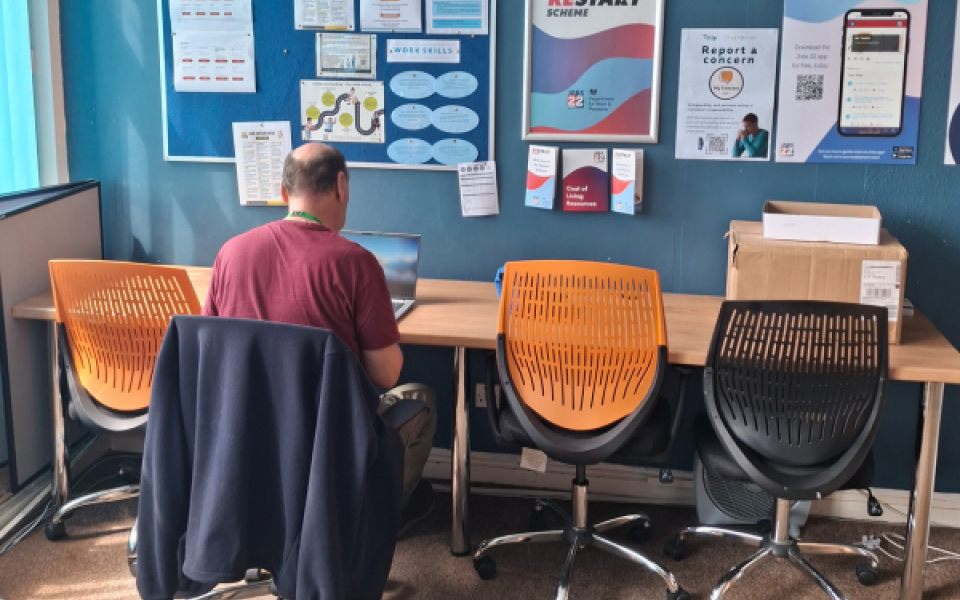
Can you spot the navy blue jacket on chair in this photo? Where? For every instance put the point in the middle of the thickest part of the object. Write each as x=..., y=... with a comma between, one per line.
x=264, y=450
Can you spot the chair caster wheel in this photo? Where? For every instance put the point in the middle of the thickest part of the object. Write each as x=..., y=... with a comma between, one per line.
x=764, y=526
x=867, y=574
x=486, y=568
x=680, y=594
x=641, y=532
x=55, y=531
x=538, y=520
x=676, y=549
x=256, y=575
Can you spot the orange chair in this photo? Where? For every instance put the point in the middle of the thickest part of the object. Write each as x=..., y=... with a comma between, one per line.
x=111, y=320
x=582, y=354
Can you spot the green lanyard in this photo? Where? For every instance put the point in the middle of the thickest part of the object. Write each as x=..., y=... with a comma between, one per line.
x=305, y=215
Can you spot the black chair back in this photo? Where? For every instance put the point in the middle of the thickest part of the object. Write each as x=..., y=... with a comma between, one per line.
x=798, y=384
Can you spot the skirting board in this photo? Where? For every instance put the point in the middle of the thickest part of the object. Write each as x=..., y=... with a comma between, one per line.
x=503, y=476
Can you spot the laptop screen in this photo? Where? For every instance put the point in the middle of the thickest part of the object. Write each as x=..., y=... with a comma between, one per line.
x=399, y=255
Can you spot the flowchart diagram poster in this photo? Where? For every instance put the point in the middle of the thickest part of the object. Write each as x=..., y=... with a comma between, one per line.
x=342, y=111
x=851, y=81
x=594, y=71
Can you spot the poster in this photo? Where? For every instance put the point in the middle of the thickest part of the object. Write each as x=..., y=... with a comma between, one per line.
x=728, y=81
x=593, y=73
x=205, y=61
x=334, y=15
x=402, y=16
x=347, y=55
x=851, y=81
x=342, y=111
x=260, y=150
x=458, y=17
x=952, y=155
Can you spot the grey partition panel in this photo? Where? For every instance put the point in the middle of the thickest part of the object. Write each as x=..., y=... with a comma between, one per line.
x=64, y=225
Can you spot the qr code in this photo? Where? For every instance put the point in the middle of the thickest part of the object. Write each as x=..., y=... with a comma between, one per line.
x=809, y=87
x=716, y=144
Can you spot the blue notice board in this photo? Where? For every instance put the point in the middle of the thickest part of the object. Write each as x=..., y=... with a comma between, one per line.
x=198, y=126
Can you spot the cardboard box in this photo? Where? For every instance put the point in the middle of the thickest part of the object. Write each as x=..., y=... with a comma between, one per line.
x=763, y=269
x=809, y=222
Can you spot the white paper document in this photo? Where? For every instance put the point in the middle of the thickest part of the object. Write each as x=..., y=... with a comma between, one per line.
x=211, y=15
x=260, y=150
x=478, y=189
x=336, y=15
x=423, y=51
x=402, y=16
x=347, y=55
x=205, y=61
x=458, y=17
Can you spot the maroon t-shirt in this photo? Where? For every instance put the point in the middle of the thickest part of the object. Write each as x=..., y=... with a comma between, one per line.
x=302, y=273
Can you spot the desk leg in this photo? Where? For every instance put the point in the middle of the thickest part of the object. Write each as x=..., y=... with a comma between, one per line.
x=460, y=458
x=918, y=521
x=61, y=466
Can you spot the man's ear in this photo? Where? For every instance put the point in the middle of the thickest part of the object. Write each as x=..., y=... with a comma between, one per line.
x=343, y=185
x=283, y=195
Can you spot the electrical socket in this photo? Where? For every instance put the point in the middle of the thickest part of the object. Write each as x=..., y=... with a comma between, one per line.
x=480, y=399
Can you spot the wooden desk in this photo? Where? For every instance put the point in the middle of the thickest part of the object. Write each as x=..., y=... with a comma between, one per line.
x=462, y=315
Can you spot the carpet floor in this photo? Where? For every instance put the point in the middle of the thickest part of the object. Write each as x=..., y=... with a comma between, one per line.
x=90, y=564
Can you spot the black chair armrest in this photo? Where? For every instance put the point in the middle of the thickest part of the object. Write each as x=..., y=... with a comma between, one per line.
x=491, y=381
x=402, y=412
x=678, y=406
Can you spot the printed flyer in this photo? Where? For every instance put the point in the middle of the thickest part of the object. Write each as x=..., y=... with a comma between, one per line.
x=626, y=186
x=851, y=81
x=728, y=81
x=541, y=177
x=586, y=180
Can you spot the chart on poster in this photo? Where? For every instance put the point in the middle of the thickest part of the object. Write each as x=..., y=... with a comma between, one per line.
x=342, y=111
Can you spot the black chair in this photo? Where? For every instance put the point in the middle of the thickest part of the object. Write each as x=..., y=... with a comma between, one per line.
x=794, y=393
x=582, y=356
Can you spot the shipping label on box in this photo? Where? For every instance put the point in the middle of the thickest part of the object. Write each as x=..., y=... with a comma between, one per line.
x=880, y=285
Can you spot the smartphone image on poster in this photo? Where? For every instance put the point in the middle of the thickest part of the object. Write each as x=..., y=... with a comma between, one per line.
x=873, y=86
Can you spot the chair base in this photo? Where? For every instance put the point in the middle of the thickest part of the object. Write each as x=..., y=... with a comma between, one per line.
x=577, y=534
x=101, y=497
x=777, y=545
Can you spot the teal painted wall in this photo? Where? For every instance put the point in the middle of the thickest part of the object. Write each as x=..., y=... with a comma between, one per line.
x=182, y=213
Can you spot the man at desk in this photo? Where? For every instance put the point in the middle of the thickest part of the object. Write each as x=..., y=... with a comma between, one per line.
x=300, y=270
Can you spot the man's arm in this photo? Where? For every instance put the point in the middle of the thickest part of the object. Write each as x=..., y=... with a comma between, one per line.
x=758, y=147
x=738, y=148
x=383, y=366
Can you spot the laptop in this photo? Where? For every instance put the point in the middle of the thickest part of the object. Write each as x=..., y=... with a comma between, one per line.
x=399, y=255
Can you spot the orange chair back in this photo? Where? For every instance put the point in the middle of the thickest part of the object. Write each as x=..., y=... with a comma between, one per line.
x=582, y=339
x=115, y=315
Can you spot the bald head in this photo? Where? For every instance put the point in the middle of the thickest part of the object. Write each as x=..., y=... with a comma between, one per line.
x=316, y=180
x=313, y=170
